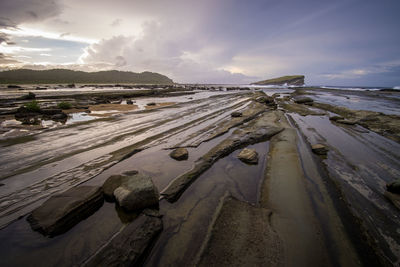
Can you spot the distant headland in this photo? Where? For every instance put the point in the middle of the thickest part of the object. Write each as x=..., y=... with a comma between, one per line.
x=54, y=76
x=288, y=80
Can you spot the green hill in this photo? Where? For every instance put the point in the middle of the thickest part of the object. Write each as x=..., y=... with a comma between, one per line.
x=54, y=76
x=289, y=80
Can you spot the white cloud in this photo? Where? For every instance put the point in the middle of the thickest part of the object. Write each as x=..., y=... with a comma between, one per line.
x=161, y=50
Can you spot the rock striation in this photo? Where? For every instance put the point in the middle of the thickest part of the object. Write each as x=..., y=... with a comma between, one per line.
x=128, y=247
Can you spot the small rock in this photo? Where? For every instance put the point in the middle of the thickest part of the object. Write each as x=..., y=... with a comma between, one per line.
x=179, y=154
x=136, y=192
x=265, y=99
x=303, y=100
x=29, y=96
x=130, y=173
x=11, y=86
x=248, y=156
x=335, y=118
x=29, y=120
x=51, y=111
x=60, y=116
x=348, y=122
x=129, y=102
x=236, y=114
x=319, y=149
x=151, y=104
x=394, y=186
x=61, y=212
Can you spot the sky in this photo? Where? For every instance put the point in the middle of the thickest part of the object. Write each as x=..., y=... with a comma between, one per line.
x=342, y=42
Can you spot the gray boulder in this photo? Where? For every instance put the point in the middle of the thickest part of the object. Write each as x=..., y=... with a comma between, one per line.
x=179, y=154
x=248, y=156
x=61, y=212
x=136, y=192
x=319, y=149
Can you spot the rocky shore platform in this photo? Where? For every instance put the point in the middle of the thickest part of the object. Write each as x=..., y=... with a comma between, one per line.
x=199, y=175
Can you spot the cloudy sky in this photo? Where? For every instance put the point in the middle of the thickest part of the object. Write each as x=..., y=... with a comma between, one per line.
x=342, y=42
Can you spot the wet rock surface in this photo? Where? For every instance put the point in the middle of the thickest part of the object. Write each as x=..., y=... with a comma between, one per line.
x=257, y=130
x=242, y=236
x=129, y=246
x=179, y=154
x=61, y=212
x=89, y=153
x=249, y=156
x=384, y=124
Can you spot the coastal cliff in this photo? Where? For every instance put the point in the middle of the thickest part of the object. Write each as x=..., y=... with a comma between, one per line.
x=288, y=80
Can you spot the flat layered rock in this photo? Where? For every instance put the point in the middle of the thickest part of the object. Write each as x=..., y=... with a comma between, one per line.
x=61, y=212
x=248, y=156
x=242, y=236
x=128, y=247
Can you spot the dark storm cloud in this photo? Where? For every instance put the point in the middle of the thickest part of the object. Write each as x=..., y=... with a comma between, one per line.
x=14, y=12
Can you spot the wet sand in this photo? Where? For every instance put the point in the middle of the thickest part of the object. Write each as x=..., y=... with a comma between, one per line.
x=306, y=209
